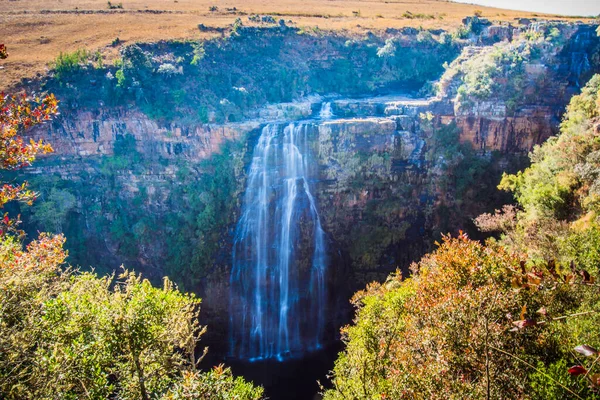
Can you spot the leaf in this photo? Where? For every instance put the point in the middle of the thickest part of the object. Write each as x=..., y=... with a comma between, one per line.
x=586, y=350
x=542, y=311
x=523, y=269
x=577, y=370
x=552, y=268
x=533, y=279
x=524, y=323
x=517, y=283
x=523, y=312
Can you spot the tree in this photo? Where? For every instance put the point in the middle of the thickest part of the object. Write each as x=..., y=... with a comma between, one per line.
x=51, y=214
x=17, y=113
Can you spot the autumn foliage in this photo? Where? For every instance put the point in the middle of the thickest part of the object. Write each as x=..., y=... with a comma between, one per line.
x=513, y=318
x=16, y=114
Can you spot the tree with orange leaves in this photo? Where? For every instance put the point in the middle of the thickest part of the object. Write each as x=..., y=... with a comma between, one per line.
x=17, y=113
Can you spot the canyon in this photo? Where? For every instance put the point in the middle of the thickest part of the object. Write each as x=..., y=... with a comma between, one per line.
x=393, y=166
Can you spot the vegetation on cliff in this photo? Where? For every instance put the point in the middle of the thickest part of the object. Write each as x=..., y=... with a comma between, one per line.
x=558, y=195
x=502, y=320
x=223, y=79
x=67, y=334
x=180, y=223
x=520, y=71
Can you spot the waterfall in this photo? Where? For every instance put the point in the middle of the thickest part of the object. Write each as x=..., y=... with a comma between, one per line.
x=278, y=292
x=326, y=112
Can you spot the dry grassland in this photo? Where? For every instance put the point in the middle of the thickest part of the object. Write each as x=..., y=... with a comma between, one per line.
x=35, y=31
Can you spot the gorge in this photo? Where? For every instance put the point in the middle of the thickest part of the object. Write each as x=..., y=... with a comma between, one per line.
x=328, y=162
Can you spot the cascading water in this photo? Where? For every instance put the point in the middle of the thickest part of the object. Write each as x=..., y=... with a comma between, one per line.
x=326, y=112
x=278, y=292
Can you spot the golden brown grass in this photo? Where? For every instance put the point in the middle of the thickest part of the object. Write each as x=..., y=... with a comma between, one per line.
x=35, y=31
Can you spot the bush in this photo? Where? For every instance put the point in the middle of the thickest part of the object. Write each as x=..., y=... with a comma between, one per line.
x=434, y=334
x=67, y=64
x=559, y=192
x=169, y=69
x=73, y=335
x=112, y=6
x=195, y=386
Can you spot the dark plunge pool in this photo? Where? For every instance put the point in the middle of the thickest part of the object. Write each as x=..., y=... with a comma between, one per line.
x=294, y=379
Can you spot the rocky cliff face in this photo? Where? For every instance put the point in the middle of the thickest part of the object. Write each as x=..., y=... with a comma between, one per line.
x=395, y=172
x=93, y=133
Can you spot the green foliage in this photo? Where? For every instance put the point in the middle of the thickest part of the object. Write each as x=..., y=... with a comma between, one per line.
x=217, y=384
x=67, y=64
x=409, y=15
x=413, y=64
x=98, y=58
x=237, y=26
x=442, y=333
x=129, y=333
x=120, y=75
x=550, y=382
x=558, y=193
x=445, y=331
x=199, y=54
x=462, y=166
x=117, y=6
x=209, y=200
x=71, y=335
x=184, y=231
x=231, y=76
x=51, y=213
x=499, y=72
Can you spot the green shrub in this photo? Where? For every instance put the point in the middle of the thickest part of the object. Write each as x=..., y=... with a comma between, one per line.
x=67, y=64
x=74, y=335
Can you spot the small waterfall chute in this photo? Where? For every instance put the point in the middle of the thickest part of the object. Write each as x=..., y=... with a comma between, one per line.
x=326, y=112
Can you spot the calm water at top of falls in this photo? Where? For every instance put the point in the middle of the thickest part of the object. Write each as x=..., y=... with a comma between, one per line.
x=278, y=292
